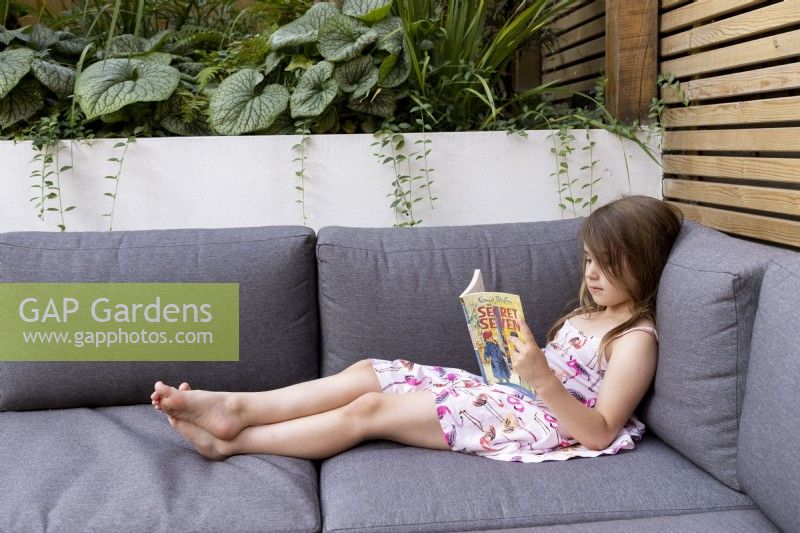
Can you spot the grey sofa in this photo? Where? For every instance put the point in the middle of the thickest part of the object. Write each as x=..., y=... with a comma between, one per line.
x=82, y=449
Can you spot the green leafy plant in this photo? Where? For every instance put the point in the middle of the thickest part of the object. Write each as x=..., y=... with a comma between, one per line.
x=344, y=61
x=657, y=106
x=103, y=19
x=133, y=68
x=459, y=61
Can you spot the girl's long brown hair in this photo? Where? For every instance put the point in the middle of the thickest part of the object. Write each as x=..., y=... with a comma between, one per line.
x=631, y=239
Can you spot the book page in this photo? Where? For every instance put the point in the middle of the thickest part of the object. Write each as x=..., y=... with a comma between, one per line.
x=476, y=285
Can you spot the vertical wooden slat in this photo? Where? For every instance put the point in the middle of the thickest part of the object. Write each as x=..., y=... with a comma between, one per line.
x=527, y=68
x=631, y=62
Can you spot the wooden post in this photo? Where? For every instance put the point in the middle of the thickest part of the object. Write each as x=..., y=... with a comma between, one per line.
x=631, y=57
x=526, y=70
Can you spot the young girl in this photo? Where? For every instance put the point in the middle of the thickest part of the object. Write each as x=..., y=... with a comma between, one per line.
x=599, y=362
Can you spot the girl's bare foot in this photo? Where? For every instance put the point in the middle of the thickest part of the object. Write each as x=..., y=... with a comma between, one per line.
x=204, y=442
x=215, y=412
x=155, y=398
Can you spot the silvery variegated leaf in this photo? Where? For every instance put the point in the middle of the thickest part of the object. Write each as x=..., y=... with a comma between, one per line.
x=6, y=35
x=156, y=57
x=315, y=90
x=272, y=60
x=42, y=37
x=57, y=78
x=390, y=34
x=110, y=85
x=123, y=45
x=342, y=38
x=128, y=44
x=22, y=102
x=381, y=104
x=235, y=108
x=71, y=46
x=357, y=76
x=14, y=64
x=394, y=70
x=304, y=29
x=367, y=10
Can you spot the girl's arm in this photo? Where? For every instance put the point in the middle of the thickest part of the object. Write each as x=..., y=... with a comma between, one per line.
x=625, y=382
x=585, y=424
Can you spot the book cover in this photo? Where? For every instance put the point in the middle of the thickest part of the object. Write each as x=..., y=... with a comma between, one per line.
x=493, y=317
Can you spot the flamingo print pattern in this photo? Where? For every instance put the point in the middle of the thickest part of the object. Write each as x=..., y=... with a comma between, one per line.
x=497, y=421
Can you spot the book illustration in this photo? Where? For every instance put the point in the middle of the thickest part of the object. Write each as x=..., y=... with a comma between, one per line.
x=492, y=318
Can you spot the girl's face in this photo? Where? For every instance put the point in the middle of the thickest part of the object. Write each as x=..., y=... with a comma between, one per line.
x=603, y=291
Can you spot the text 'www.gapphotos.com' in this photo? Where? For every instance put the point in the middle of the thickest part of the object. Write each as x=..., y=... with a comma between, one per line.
x=80, y=339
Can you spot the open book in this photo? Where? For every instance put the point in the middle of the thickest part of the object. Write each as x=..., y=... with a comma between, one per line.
x=493, y=317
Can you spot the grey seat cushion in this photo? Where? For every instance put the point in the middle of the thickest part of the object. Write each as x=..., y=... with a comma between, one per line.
x=769, y=439
x=417, y=489
x=706, y=305
x=393, y=292
x=125, y=469
x=741, y=521
x=274, y=267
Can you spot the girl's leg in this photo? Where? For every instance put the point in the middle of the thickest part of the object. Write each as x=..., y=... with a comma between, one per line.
x=408, y=418
x=225, y=414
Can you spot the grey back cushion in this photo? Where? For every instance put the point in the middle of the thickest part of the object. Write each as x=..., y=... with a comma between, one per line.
x=769, y=434
x=392, y=293
x=705, y=308
x=278, y=320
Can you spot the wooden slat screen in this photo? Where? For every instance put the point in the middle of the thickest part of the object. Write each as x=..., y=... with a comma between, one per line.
x=732, y=156
x=578, y=56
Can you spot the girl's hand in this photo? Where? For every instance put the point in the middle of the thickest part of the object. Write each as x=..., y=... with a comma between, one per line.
x=527, y=358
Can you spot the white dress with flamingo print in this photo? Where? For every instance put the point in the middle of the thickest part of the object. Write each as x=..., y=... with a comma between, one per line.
x=499, y=422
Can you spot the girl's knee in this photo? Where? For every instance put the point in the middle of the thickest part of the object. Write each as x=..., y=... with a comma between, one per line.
x=365, y=405
x=361, y=412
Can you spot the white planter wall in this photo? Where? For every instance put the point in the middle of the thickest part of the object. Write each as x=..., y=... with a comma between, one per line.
x=184, y=182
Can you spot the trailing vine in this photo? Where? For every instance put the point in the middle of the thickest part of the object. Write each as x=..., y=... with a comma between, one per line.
x=403, y=203
x=302, y=128
x=45, y=135
x=562, y=149
x=424, y=108
x=590, y=147
x=119, y=160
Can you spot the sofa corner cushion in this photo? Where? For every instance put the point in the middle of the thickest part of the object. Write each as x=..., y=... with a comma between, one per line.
x=706, y=304
x=125, y=469
x=274, y=267
x=768, y=436
x=390, y=293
